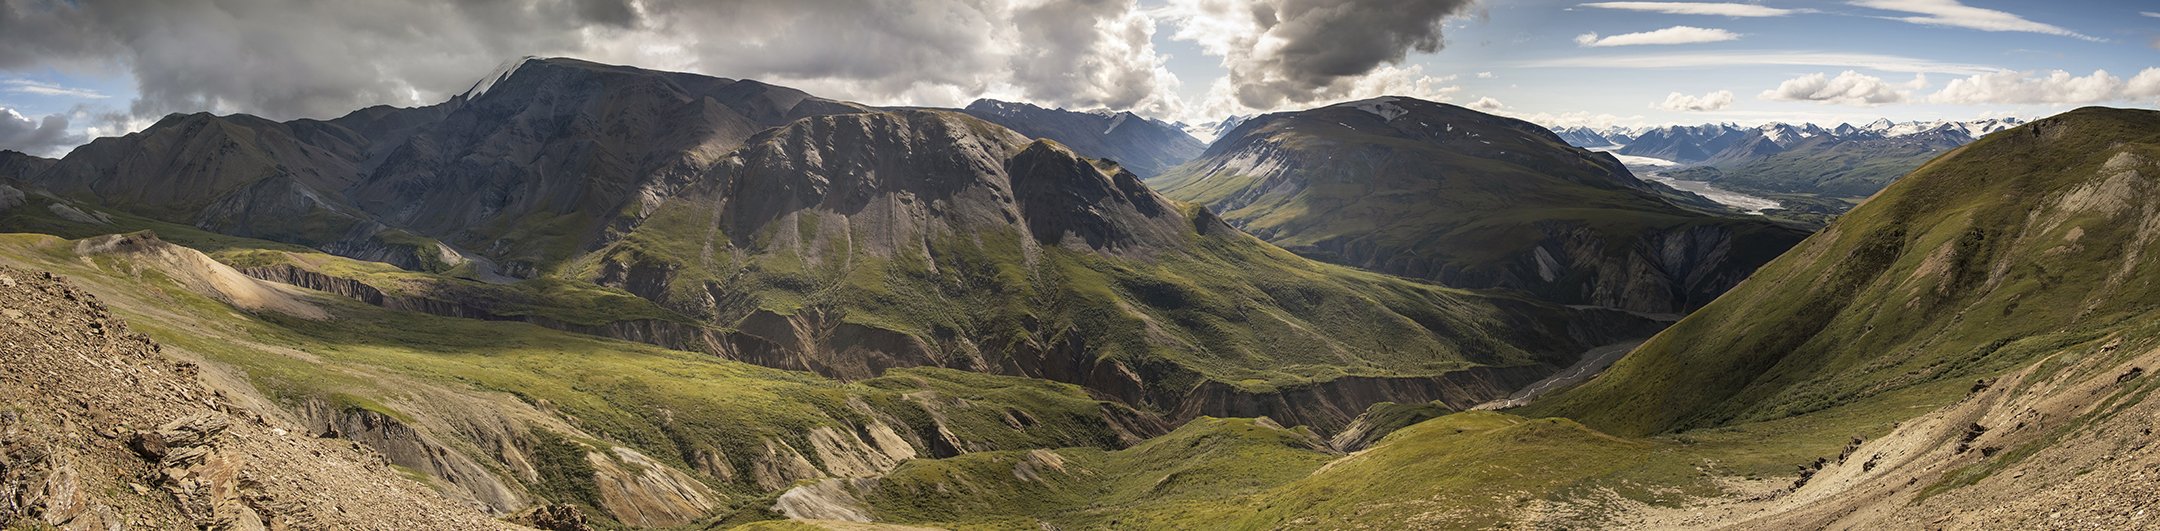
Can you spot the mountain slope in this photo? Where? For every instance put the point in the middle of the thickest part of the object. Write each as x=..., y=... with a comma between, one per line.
x=507, y=417
x=1146, y=147
x=1436, y=191
x=2009, y=248
x=852, y=243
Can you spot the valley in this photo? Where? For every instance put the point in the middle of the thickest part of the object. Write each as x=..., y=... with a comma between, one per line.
x=583, y=296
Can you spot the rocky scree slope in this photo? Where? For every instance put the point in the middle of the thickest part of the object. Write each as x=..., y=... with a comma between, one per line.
x=101, y=431
x=1472, y=200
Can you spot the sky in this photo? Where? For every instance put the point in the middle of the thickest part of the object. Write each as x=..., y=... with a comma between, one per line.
x=73, y=70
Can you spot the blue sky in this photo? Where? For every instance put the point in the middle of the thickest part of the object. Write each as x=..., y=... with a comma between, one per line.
x=1536, y=66
x=76, y=69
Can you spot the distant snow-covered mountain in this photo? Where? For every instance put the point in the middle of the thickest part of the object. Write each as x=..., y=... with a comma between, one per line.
x=1729, y=142
x=1845, y=161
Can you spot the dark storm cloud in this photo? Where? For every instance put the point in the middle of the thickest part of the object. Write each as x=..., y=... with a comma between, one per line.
x=322, y=58
x=44, y=137
x=1302, y=50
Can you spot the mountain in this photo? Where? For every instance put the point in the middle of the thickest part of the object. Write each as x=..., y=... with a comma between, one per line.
x=1144, y=146
x=1808, y=168
x=1850, y=167
x=1583, y=137
x=760, y=224
x=1435, y=191
x=526, y=170
x=1970, y=349
x=852, y=243
x=16, y=165
x=1211, y=131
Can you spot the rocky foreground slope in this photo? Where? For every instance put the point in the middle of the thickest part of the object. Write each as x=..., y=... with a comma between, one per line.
x=1435, y=191
x=100, y=430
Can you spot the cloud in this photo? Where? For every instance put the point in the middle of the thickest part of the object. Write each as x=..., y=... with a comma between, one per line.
x=2149, y=14
x=1714, y=101
x=1887, y=63
x=319, y=59
x=2143, y=86
x=1280, y=52
x=1486, y=75
x=1672, y=35
x=1580, y=119
x=47, y=136
x=2053, y=87
x=1951, y=13
x=1487, y=104
x=40, y=88
x=1699, y=8
x=1848, y=88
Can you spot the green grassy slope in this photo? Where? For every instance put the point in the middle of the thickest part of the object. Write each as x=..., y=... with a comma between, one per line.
x=678, y=407
x=2017, y=245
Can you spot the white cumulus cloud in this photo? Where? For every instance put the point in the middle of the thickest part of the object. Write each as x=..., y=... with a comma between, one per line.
x=1951, y=13
x=1848, y=88
x=1714, y=101
x=1487, y=104
x=1672, y=35
x=1725, y=9
x=2053, y=87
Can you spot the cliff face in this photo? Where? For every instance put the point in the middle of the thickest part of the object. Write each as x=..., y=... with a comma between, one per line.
x=1471, y=200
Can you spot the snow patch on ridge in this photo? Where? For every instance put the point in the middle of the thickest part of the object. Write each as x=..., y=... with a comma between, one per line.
x=501, y=73
x=1383, y=107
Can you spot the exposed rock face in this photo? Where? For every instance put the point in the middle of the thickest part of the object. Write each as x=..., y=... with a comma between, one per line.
x=1147, y=147
x=1471, y=200
x=101, y=431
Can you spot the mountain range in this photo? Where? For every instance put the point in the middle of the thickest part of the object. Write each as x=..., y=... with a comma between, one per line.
x=586, y=296
x=1808, y=168
x=1143, y=145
